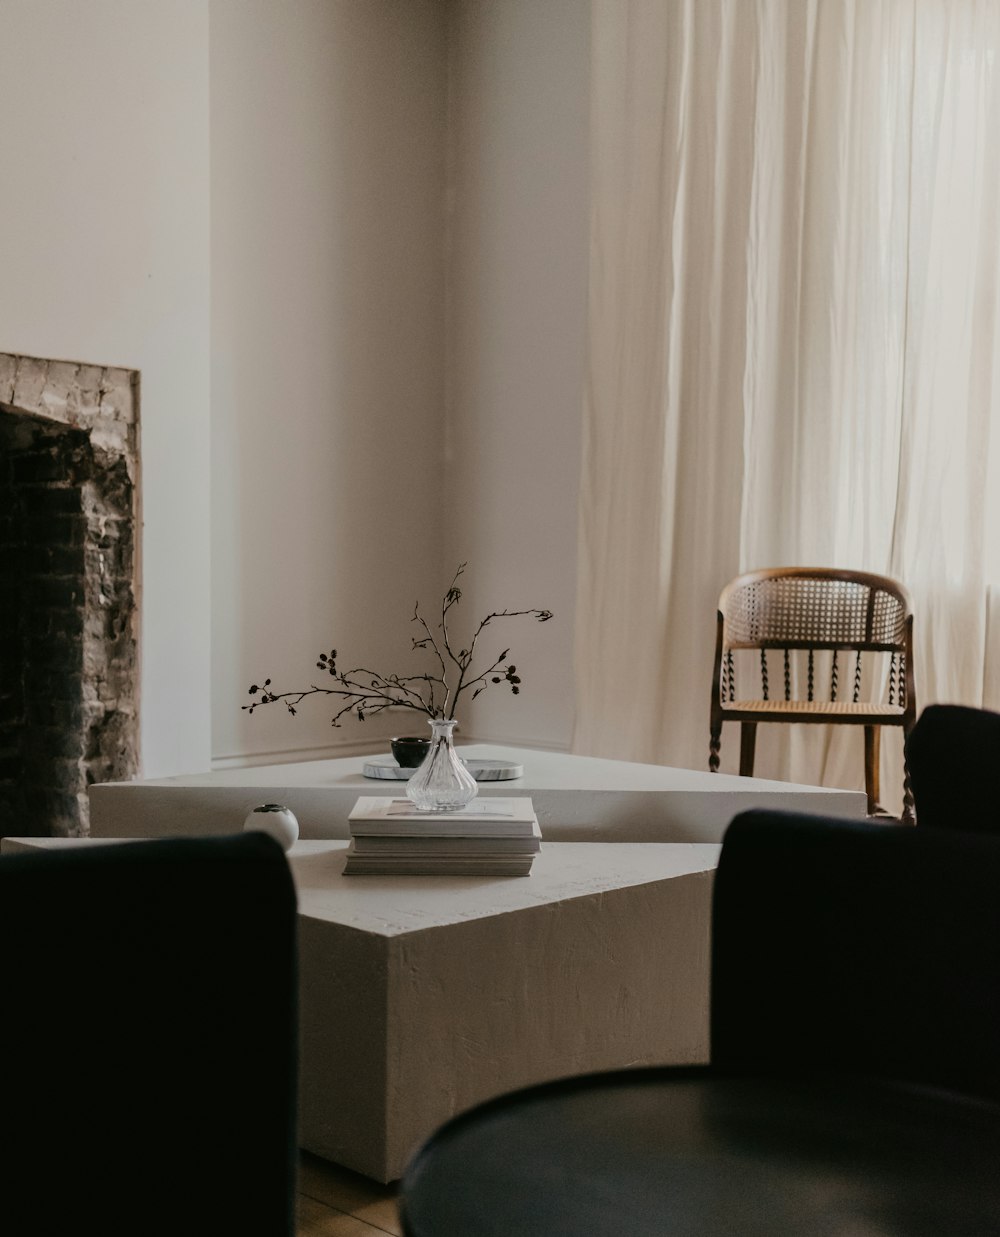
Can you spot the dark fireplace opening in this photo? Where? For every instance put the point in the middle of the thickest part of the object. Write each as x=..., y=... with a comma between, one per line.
x=68, y=647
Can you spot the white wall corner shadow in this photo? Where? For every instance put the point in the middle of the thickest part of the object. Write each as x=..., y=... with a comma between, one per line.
x=991, y=656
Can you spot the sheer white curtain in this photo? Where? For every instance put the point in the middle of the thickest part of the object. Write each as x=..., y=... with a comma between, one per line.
x=793, y=348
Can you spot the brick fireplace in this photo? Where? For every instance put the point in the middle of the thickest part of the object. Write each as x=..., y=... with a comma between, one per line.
x=68, y=589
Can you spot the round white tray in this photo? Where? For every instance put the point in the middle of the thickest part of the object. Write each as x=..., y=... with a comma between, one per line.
x=386, y=769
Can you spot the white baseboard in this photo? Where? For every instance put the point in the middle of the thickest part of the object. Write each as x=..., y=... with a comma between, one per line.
x=366, y=747
x=464, y=739
x=329, y=751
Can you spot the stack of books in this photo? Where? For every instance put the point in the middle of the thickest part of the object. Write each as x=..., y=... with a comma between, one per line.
x=489, y=837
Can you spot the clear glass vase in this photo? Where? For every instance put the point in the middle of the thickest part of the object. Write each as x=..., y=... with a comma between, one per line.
x=442, y=783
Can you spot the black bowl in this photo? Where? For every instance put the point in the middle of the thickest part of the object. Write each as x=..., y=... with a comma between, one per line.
x=409, y=750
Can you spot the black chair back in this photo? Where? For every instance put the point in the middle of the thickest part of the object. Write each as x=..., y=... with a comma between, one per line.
x=149, y=1039
x=952, y=754
x=862, y=947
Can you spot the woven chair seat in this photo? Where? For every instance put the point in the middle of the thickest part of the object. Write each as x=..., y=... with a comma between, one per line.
x=828, y=709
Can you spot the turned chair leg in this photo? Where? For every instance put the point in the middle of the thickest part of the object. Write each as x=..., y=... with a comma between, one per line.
x=748, y=745
x=714, y=746
x=872, y=743
x=909, y=815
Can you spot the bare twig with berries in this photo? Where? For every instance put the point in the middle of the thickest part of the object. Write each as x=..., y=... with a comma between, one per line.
x=366, y=693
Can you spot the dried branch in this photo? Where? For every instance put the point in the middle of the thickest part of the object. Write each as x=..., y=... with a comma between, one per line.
x=366, y=693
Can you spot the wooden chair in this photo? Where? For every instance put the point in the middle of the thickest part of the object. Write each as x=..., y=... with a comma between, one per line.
x=812, y=616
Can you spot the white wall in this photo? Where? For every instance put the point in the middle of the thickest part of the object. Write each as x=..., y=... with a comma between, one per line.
x=519, y=110
x=104, y=258
x=328, y=128
x=339, y=493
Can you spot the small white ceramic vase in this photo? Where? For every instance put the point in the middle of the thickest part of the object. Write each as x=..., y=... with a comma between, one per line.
x=275, y=819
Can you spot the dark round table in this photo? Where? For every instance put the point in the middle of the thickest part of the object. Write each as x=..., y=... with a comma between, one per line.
x=658, y=1152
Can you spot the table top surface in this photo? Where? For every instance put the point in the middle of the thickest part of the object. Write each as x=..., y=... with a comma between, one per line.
x=687, y=1151
x=542, y=771
x=394, y=905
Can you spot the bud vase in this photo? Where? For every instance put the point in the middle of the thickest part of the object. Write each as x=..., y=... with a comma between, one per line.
x=442, y=783
x=275, y=819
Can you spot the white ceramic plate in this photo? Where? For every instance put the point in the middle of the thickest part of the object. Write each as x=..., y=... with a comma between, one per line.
x=385, y=768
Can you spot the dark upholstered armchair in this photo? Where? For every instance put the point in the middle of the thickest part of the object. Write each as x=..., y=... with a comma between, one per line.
x=860, y=947
x=847, y=958
x=952, y=754
x=149, y=1041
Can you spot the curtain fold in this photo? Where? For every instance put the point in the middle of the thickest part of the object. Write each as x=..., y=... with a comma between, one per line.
x=792, y=345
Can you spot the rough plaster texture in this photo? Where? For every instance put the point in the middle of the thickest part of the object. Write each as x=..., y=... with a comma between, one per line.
x=424, y=996
x=576, y=798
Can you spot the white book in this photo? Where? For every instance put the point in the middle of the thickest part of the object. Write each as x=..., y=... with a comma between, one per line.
x=380, y=814
x=463, y=865
x=426, y=844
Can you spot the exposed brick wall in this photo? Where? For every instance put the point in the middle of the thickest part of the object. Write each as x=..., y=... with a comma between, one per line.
x=68, y=583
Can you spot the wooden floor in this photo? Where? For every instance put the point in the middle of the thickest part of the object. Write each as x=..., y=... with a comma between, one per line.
x=334, y=1202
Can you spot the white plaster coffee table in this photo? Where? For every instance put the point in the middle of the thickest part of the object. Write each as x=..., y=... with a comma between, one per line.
x=421, y=996
x=576, y=798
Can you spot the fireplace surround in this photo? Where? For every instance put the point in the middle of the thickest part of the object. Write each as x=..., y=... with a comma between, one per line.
x=69, y=578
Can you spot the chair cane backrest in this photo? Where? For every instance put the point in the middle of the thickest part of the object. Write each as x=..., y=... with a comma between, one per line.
x=810, y=608
x=815, y=609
